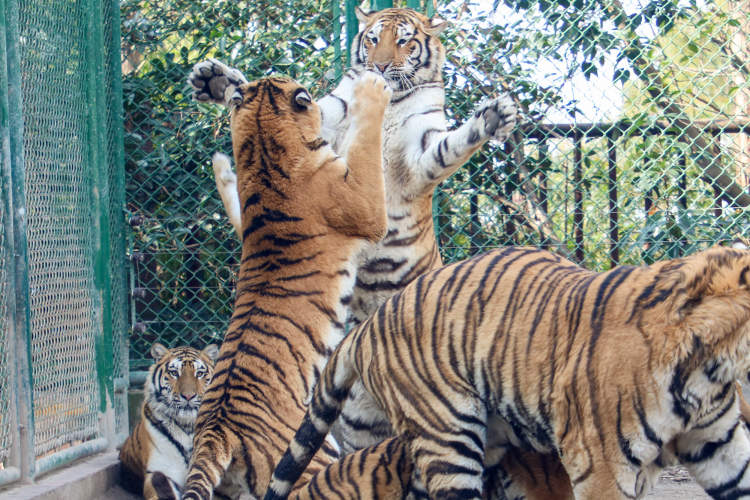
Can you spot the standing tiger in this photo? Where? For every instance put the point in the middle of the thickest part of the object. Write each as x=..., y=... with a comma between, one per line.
x=305, y=213
x=155, y=456
x=617, y=373
x=418, y=153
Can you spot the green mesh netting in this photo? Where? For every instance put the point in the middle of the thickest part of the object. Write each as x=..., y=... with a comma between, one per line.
x=633, y=144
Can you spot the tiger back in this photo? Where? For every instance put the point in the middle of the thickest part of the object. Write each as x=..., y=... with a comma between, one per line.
x=155, y=456
x=617, y=373
x=305, y=212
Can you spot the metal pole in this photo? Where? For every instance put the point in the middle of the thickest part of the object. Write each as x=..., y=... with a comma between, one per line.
x=614, y=238
x=352, y=27
x=100, y=215
x=336, y=19
x=578, y=198
x=20, y=271
x=117, y=202
x=11, y=471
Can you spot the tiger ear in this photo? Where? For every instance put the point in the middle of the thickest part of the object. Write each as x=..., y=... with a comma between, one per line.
x=235, y=100
x=362, y=16
x=436, y=26
x=158, y=351
x=302, y=99
x=212, y=351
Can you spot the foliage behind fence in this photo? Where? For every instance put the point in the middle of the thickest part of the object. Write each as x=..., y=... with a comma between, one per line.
x=633, y=145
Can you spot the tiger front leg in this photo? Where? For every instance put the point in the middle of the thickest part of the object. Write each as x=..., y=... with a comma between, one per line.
x=214, y=81
x=718, y=455
x=444, y=152
x=359, y=201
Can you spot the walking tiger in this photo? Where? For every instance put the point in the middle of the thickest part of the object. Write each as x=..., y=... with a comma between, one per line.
x=618, y=373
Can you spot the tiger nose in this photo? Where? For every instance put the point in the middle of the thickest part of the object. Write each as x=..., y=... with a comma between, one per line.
x=382, y=67
x=188, y=395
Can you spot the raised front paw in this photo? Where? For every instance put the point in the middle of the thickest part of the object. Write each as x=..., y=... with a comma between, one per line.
x=214, y=81
x=371, y=92
x=497, y=117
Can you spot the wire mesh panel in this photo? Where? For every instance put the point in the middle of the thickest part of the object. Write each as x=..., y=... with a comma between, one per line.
x=632, y=145
x=64, y=312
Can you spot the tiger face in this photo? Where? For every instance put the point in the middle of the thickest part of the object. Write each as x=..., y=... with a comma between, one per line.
x=401, y=45
x=178, y=379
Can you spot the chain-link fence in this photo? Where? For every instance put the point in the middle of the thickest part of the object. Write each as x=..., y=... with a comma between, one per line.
x=63, y=295
x=633, y=144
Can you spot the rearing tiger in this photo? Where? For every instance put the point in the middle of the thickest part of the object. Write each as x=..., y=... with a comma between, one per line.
x=418, y=153
x=617, y=373
x=305, y=212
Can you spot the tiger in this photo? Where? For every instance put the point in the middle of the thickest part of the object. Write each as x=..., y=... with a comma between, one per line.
x=154, y=457
x=305, y=212
x=617, y=373
x=419, y=152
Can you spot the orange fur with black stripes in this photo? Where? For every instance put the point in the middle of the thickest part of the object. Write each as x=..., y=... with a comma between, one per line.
x=155, y=456
x=618, y=373
x=305, y=213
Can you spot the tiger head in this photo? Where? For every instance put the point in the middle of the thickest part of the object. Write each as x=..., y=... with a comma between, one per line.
x=401, y=45
x=703, y=301
x=178, y=379
x=274, y=123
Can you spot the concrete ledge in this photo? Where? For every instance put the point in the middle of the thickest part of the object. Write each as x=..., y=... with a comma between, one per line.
x=84, y=479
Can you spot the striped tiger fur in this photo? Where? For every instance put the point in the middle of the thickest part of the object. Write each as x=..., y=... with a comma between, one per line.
x=305, y=213
x=618, y=373
x=415, y=123
x=418, y=153
x=155, y=456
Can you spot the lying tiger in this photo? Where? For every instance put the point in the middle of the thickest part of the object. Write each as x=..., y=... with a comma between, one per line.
x=618, y=373
x=155, y=456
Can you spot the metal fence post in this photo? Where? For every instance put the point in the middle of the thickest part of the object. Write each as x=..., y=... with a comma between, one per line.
x=11, y=471
x=20, y=266
x=116, y=204
x=100, y=202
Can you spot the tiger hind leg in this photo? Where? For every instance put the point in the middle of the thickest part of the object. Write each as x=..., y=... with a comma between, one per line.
x=157, y=486
x=450, y=462
x=529, y=475
x=212, y=456
x=380, y=471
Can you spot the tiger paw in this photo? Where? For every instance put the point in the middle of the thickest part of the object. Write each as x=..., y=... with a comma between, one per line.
x=214, y=81
x=371, y=92
x=497, y=117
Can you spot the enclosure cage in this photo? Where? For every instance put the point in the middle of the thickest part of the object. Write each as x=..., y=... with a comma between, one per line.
x=63, y=288
x=632, y=146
